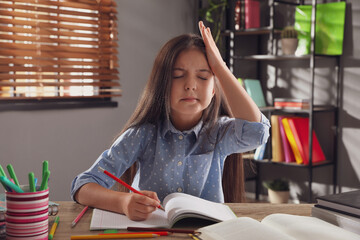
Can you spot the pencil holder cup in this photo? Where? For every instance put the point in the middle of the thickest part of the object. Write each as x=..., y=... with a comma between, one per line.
x=27, y=214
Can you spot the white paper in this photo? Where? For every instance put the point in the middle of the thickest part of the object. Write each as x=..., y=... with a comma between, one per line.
x=109, y=220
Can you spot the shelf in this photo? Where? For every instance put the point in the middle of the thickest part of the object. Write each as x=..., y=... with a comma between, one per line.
x=314, y=165
x=251, y=31
x=287, y=2
x=317, y=108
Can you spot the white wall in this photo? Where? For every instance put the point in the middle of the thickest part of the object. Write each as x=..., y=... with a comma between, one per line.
x=71, y=140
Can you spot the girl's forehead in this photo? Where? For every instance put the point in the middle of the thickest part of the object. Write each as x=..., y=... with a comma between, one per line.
x=191, y=57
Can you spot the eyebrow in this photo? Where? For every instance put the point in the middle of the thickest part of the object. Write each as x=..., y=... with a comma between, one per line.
x=199, y=70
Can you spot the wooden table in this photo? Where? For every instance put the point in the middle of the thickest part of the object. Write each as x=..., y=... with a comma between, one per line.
x=69, y=211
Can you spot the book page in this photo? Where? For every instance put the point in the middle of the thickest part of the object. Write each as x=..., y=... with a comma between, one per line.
x=179, y=204
x=304, y=228
x=243, y=228
x=102, y=219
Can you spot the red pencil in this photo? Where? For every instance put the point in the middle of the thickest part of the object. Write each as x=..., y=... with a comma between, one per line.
x=123, y=183
x=79, y=216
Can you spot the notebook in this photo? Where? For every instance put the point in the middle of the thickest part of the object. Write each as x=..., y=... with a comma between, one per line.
x=178, y=206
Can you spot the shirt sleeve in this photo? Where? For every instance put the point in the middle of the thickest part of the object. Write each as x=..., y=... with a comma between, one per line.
x=116, y=160
x=237, y=135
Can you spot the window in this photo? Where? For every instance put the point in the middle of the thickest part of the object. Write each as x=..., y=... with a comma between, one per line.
x=58, y=50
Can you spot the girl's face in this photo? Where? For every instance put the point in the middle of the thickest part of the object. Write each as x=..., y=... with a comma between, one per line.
x=192, y=86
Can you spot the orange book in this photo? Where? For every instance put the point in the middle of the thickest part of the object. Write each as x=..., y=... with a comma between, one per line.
x=292, y=141
x=300, y=128
x=276, y=144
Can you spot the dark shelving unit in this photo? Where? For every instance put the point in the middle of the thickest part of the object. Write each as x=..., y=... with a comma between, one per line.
x=312, y=59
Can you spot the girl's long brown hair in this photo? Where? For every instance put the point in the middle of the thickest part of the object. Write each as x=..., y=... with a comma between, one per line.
x=154, y=106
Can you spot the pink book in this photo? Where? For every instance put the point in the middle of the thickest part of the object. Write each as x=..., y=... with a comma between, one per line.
x=252, y=14
x=288, y=153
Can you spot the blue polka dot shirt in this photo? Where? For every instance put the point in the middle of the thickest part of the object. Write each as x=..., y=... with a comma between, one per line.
x=170, y=160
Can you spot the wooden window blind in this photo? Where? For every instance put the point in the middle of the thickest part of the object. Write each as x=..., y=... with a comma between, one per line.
x=58, y=49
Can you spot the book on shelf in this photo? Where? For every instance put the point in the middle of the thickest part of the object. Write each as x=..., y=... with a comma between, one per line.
x=254, y=89
x=291, y=103
x=276, y=143
x=276, y=227
x=344, y=221
x=53, y=207
x=178, y=206
x=288, y=153
x=290, y=137
x=252, y=14
x=346, y=202
x=239, y=15
x=300, y=129
x=260, y=152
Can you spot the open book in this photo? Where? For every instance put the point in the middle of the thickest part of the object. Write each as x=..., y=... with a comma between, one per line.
x=177, y=207
x=276, y=227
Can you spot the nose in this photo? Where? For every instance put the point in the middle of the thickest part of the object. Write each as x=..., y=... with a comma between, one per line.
x=190, y=83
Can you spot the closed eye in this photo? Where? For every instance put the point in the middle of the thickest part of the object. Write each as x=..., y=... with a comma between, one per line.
x=180, y=76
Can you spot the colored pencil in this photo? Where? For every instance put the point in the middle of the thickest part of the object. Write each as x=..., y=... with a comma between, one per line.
x=11, y=185
x=117, y=236
x=194, y=237
x=161, y=229
x=32, y=186
x=76, y=220
x=124, y=183
x=12, y=174
x=53, y=228
x=44, y=182
x=162, y=233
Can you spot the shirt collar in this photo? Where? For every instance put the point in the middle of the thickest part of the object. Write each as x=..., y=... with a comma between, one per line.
x=169, y=127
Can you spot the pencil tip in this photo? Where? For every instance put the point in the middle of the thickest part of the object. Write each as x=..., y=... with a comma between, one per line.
x=73, y=224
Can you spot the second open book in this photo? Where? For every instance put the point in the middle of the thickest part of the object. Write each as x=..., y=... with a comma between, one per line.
x=276, y=227
x=177, y=206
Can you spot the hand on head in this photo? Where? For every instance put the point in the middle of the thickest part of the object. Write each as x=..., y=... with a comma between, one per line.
x=212, y=51
x=139, y=207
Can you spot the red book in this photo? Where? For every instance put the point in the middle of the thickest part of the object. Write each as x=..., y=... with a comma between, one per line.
x=300, y=128
x=252, y=14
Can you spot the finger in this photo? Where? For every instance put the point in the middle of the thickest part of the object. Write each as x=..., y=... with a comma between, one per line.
x=145, y=200
x=144, y=209
x=151, y=194
x=201, y=28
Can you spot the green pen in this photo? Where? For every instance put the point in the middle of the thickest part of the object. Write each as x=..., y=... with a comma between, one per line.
x=44, y=182
x=2, y=172
x=11, y=185
x=12, y=174
x=32, y=187
x=45, y=167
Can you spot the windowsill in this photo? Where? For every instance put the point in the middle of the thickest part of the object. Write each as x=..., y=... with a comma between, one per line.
x=55, y=105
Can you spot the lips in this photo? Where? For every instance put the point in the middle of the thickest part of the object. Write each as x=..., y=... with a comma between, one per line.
x=189, y=99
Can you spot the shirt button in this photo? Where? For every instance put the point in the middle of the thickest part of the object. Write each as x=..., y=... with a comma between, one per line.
x=181, y=137
x=179, y=163
x=179, y=189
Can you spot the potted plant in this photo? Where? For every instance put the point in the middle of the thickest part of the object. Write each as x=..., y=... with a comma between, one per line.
x=289, y=40
x=278, y=190
x=214, y=14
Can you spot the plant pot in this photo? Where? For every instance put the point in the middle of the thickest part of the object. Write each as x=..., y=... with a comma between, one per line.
x=278, y=196
x=289, y=45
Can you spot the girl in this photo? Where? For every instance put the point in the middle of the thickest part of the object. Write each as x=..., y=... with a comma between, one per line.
x=178, y=134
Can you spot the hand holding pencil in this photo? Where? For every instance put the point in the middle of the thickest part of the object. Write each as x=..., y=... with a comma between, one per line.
x=139, y=204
